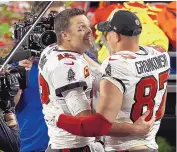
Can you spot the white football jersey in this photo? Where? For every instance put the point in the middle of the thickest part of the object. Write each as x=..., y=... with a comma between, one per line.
x=60, y=72
x=142, y=78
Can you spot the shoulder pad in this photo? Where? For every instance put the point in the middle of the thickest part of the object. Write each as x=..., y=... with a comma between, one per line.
x=49, y=48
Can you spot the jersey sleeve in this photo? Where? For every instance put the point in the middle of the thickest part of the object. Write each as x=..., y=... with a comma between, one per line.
x=68, y=76
x=69, y=83
x=116, y=72
x=76, y=101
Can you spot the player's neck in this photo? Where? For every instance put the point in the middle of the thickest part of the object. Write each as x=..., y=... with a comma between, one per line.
x=68, y=47
x=127, y=46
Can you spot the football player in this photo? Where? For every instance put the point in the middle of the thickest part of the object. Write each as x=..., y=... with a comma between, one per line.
x=134, y=82
x=66, y=83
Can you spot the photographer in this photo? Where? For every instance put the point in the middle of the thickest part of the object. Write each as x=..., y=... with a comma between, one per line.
x=33, y=132
x=9, y=130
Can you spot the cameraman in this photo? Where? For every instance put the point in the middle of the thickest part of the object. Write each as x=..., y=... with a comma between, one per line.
x=9, y=130
x=33, y=129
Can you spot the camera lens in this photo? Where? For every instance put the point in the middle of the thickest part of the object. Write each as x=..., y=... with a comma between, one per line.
x=47, y=38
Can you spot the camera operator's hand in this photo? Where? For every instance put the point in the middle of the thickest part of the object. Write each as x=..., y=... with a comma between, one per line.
x=9, y=86
x=27, y=63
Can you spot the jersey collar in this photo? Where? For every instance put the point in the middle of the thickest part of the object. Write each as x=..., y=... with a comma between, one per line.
x=59, y=49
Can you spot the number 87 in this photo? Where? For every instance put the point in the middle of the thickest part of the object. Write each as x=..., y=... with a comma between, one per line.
x=142, y=100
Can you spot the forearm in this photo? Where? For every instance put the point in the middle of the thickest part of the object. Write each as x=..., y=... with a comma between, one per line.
x=91, y=62
x=100, y=123
x=90, y=126
x=122, y=130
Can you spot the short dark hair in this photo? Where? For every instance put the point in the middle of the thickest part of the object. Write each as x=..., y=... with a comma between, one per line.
x=62, y=20
x=38, y=6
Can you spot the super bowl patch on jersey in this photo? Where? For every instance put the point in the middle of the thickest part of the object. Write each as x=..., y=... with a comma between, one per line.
x=108, y=70
x=71, y=75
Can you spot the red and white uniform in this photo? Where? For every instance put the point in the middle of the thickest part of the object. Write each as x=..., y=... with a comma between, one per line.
x=62, y=74
x=142, y=78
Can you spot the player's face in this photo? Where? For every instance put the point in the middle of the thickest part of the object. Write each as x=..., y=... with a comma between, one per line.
x=80, y=33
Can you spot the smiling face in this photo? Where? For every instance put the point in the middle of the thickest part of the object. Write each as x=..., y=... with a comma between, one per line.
x=79, y=32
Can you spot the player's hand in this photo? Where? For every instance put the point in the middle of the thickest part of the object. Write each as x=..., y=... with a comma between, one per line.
x=27, y=63
x=143, y=127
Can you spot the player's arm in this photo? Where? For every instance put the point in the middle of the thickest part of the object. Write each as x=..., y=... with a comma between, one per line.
x=91, y=62
x=138, y=128
x=108, y=106
x=110, y=100
x=95, y=72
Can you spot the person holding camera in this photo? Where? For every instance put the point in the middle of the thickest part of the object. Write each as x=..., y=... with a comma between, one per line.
x=9, y=130
x=33, y=132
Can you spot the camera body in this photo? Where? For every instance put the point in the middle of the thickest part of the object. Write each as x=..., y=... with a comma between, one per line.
x=18, y=71
x=21, y=74
x=40, y=37
x=11, y=80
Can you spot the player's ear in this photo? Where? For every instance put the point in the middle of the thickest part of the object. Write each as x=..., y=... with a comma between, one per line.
x=118, y=38
x=65, y=35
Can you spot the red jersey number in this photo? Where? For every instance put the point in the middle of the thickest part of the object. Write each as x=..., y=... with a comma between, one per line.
x=145, y=93
x=44, y=90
